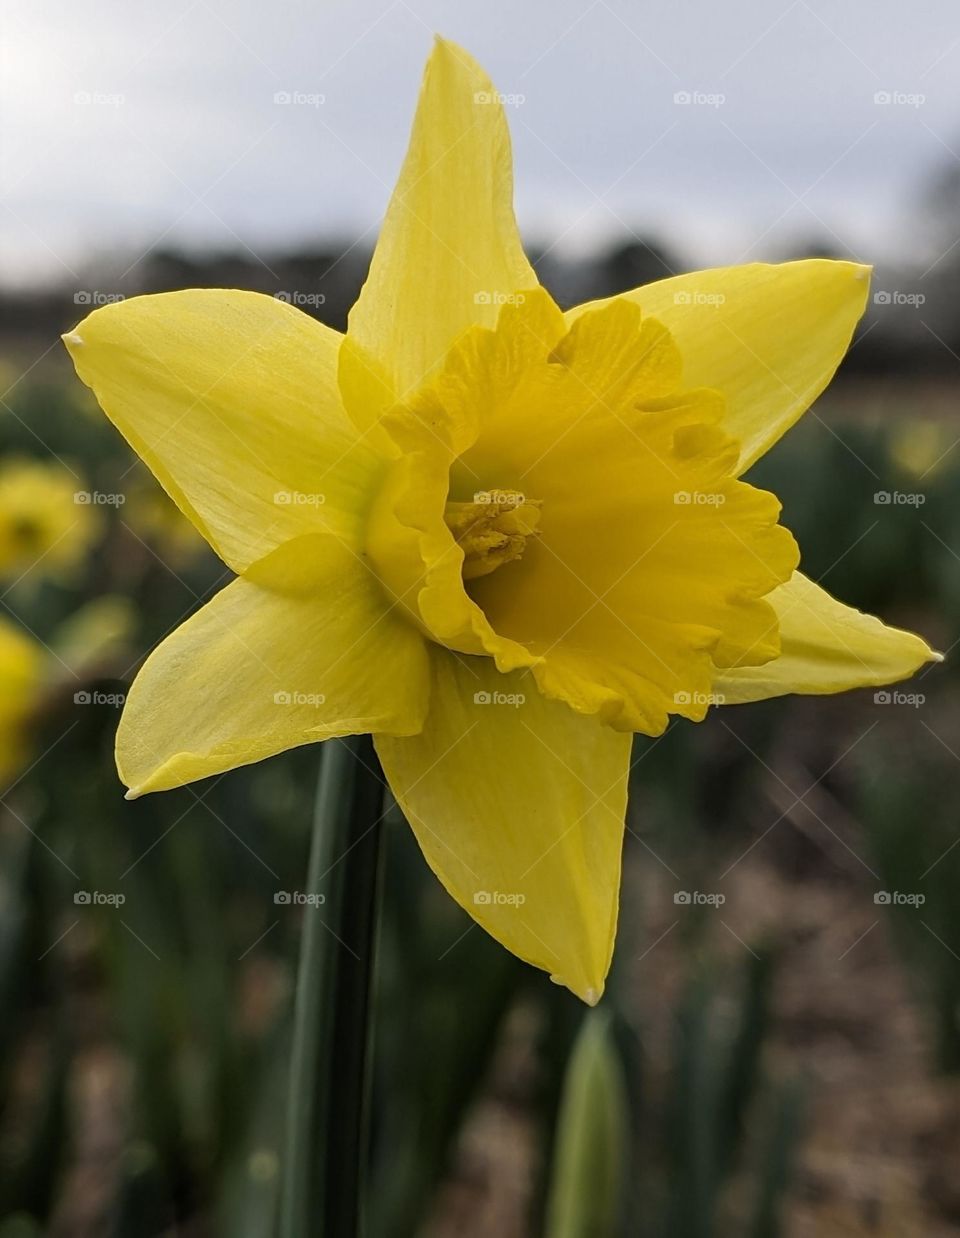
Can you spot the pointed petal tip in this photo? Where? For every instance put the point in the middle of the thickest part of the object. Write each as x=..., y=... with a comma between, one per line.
x=455, y=58
x=72, y=339
x=442, y=44
x=587, y=993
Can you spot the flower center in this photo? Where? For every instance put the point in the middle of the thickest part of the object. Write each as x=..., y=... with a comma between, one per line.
x=492, y=530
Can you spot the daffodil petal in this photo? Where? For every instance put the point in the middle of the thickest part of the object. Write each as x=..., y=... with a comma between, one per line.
x=259, y=670
x=768, y=336
x=518, y=805
x=825, y=647
x=231, y=398
x=449, y=253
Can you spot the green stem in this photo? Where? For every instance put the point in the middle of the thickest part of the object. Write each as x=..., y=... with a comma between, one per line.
x=326, y=1145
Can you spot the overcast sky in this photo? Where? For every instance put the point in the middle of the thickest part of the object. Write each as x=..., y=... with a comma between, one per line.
x=133, y=124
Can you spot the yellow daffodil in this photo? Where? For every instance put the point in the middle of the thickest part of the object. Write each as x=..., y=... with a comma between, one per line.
x=499, y=537
x=47, y=524
x=918, y=445
x=160, y=523
x=23, y=677
x=36, y=678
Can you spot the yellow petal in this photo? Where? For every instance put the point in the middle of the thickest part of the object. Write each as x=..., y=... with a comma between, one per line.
x=449, y=252
x=768, y=336
x=259, y=670
x=518, y=804
x=825, y=647
x=231, y=398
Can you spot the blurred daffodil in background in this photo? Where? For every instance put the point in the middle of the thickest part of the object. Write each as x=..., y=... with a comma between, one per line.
x=47, y=524
x=918, y=445
x=40, y=679
x=160, y=523
x=500, y=537
x=23, y=679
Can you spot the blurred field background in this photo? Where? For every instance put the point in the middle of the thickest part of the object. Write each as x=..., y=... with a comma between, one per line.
x=779, y=1058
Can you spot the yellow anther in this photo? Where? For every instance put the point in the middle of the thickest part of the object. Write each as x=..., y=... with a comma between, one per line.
x=491, y=530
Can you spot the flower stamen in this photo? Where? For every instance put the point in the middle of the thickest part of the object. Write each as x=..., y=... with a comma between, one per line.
x=492, y=530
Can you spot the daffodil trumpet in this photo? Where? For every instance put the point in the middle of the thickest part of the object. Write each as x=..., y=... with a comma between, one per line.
x=499, y=537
